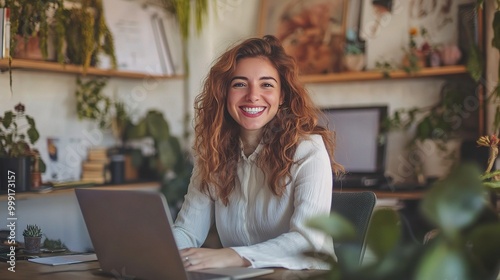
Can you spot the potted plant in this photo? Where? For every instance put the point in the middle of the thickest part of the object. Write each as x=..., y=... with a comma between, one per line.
x=32, y=239
x=18, y=134
x=464, y=245
x=437, y=130
x=87, y=35
x=354, y=56
x=167, y=163
x=31, y=27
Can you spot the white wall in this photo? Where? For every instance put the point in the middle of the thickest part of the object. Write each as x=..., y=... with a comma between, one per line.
x=50, y=97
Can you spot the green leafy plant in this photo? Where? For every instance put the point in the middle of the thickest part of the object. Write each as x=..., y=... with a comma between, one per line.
x=170, y=163
x=441, y=121
x=30, y=18
x=32, y=231
x=18, y=133
x=465, y=245
x=53, y=244
x=87, y=34
x=90, y=102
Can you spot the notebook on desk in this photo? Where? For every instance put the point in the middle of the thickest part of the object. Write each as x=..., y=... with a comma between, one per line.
x=132, y=236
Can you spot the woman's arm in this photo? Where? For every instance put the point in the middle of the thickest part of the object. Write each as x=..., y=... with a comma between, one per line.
x=195, y=217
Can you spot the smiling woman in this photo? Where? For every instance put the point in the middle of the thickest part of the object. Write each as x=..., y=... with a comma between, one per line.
x=263, y=165
x=253, y=98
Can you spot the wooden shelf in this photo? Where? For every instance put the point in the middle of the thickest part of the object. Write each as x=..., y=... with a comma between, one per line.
x=37, y=65
x=378, y=75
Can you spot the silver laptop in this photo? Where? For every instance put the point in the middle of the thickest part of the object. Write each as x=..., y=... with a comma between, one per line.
x=132, y=237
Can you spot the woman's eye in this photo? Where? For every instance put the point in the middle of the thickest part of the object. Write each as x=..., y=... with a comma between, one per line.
x=238, y=85
x=268, y=85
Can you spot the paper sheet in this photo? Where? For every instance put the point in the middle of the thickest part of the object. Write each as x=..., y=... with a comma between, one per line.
x=66, y=259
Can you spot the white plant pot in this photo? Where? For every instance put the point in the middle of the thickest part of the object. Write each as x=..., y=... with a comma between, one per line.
x=436, y=163
x=354, y=62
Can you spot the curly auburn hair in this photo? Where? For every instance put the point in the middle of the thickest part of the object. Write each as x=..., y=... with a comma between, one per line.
x=217, y=143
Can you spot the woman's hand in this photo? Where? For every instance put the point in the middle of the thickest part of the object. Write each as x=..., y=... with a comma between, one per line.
x=200, y=258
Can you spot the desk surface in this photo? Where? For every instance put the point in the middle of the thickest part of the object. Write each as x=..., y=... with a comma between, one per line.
x=403, y=195
x=67, y=190
x=90, y=271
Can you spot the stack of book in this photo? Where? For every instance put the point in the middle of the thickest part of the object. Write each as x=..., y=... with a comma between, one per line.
x=95, y=168
x=4, y=32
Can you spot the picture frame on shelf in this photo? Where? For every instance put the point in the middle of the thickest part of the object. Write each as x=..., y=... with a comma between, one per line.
x=311, y=31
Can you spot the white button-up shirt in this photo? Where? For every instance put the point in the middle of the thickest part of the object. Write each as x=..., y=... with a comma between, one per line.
x=265, y=229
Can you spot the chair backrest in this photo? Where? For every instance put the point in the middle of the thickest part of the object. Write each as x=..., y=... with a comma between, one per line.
x=357, y=208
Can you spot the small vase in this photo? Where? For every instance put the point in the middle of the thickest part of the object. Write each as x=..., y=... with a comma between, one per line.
x=409, y=59
x=354, y=62
x=32, y=244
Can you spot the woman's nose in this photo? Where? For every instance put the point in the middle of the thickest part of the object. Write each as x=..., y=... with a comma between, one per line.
x=253, y=94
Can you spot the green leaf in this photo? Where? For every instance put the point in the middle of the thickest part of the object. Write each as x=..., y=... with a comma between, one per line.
x=455, y=202
x=33, y=134
x=137, y=131
x=495, y=42
x=334, y=225
x=443, y=261
x=487, y=253
x=384, y=232
x=167, y=154
x=157, y=126
x=492, y=184
x=475, y=63
x=7, y=119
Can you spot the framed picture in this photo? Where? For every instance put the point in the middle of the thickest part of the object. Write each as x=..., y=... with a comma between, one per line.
x=312, y=31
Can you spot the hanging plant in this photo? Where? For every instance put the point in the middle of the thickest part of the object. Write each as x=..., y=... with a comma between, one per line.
x=87, y=34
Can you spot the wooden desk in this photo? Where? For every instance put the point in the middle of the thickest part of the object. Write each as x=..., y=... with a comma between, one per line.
x=402, y=195
x=90, y=271
x=70, y=190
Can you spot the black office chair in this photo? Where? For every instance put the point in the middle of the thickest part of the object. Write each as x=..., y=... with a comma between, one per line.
x=357, y=208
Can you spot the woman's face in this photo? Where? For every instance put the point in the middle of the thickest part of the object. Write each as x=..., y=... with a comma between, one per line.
x=254, y=93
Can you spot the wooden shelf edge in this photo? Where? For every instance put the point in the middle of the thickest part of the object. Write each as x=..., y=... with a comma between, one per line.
x=35, y=65
x=377, y=75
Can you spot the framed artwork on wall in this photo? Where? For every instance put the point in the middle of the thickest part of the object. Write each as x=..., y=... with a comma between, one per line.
x=312, y=31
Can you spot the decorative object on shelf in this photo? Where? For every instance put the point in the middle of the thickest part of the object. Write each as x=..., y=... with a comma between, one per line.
x=354, y=56
x=465, y=245
x=18, y=133
x=415, y=57
x=450, y=54
x=32, y=239
x=313, y=32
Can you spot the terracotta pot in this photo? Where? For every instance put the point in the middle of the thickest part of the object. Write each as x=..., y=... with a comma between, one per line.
x=421, y=59
x=29, y=49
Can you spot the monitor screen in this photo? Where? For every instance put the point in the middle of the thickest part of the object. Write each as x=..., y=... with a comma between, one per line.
x=360, y=141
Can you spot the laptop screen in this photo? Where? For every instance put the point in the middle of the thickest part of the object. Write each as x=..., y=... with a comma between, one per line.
x=360, y=141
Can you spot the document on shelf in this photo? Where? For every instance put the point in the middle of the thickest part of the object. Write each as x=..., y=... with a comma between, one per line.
x=65, y=259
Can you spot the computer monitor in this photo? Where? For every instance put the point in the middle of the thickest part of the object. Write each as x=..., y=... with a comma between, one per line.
x=360, y=139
